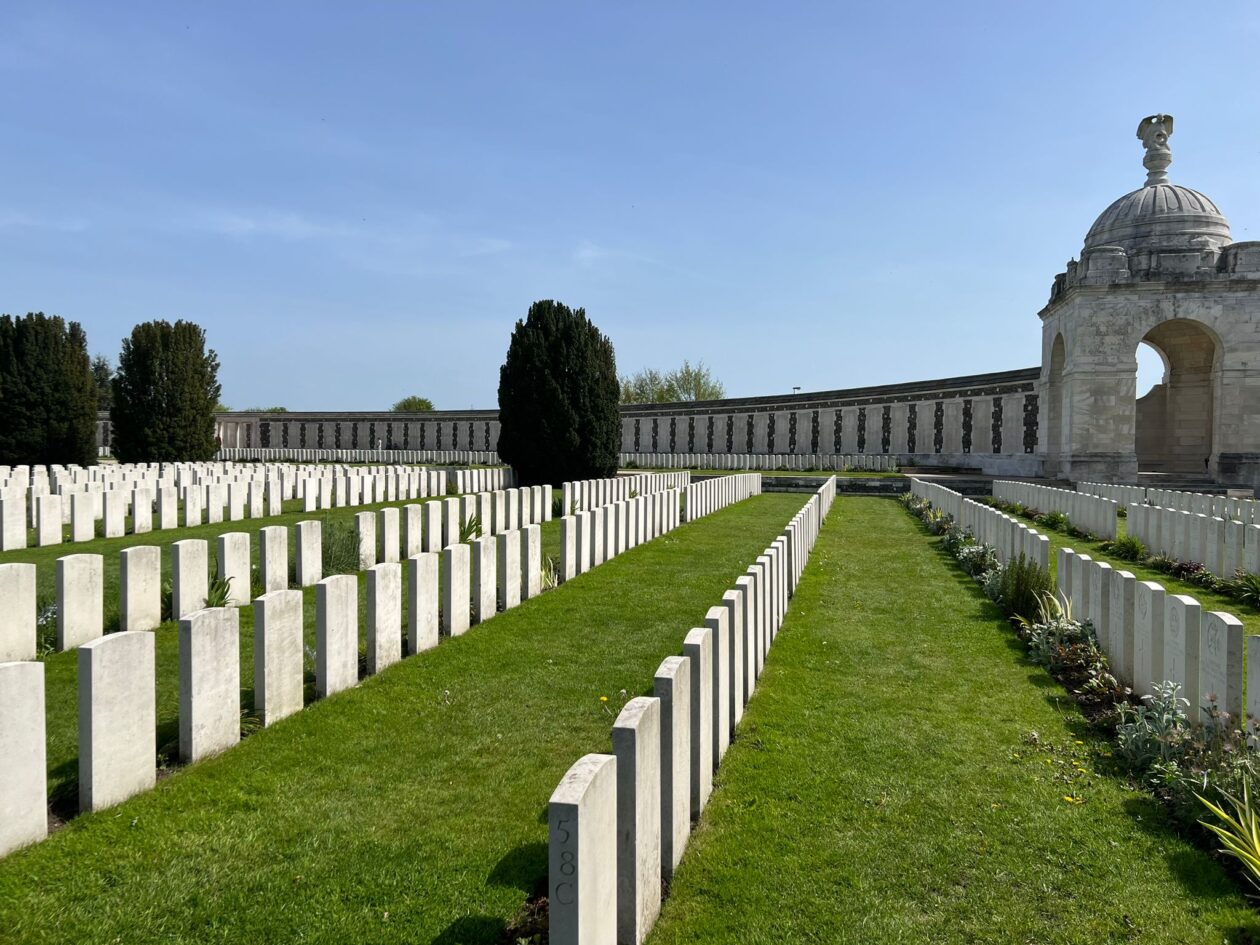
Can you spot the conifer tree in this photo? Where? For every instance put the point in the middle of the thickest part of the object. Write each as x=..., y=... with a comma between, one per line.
x=166, y=389
x=47, y=393
x=558, y=395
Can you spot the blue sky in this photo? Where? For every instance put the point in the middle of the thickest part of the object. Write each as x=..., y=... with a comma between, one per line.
x=359, y=200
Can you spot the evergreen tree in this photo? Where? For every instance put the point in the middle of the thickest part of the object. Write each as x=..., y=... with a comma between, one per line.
x=103, y=376
x=47, y=394
x=558, y=396
x=166, y=390
x=413, y=404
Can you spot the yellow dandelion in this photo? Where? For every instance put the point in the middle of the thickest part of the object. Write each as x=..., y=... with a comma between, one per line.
x=603, y=698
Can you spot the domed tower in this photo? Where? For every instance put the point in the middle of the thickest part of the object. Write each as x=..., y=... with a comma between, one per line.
x=1158, y=266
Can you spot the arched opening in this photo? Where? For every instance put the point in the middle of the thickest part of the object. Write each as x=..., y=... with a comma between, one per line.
x=1055, y=414
x=1176, y=416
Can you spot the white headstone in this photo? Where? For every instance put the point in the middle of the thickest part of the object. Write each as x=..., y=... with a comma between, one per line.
x=117, y=719
x=278, y=655
x=336, y=634
x=209, y=682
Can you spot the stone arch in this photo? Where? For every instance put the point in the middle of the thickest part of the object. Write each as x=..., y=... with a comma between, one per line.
x=1056, y=416
x=1175, y=429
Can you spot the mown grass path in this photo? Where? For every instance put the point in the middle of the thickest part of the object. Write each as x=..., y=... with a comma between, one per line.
x=410, y=809
x=885, y=786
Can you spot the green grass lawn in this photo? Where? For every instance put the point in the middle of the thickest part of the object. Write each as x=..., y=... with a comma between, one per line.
x=61, y=669
x=409, y=809
x=886, y=787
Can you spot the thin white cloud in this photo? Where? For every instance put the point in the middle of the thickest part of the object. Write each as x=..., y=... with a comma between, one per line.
x=16, y=219
x=588, y=254
x=276, y=224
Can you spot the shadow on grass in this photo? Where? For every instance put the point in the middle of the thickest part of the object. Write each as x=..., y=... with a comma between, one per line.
x=523, y=868
x=471, y=930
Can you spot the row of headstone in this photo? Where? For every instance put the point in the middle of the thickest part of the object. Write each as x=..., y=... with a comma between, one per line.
x=710, y=495
x=484, y=480
x=388, y=534
x=1094, y=514
x=144, y=507
x=588, y=539
x=284, y=455
x=117, y=682
x=585, y=495
x=1222, y=545
x=1007, y=535
x=1238, y=507
x=618, y=823
x=837, y=462
x=1151, y=637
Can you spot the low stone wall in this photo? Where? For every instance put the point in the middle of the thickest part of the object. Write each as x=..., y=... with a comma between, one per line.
x=618, y=824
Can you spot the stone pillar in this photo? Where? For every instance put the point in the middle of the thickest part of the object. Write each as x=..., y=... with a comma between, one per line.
x=278, y=655
x=209, y=682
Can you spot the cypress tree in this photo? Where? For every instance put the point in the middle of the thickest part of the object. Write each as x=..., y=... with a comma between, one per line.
x=558, y=396
x=165, y=391
x=47, y=394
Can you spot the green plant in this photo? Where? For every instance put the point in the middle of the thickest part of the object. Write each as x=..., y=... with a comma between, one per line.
x=976, y=559
x=340, y=552
x=168, y=601
x=470, y=531
x=1239, y=832
x=558, y=394
x=1245, y=587
x=1126, y=548
x=1054, y=520
x=1154, y=730
x=550, y=574
x=219, y=592
x=46, y=625
x=1024, y=584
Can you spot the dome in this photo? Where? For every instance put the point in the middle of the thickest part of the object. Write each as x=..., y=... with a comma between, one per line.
x=1159, y=216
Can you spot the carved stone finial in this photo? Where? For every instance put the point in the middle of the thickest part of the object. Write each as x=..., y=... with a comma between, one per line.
x=1155, y=131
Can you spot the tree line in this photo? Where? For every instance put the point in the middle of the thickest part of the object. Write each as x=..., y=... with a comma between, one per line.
x=161, y=398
